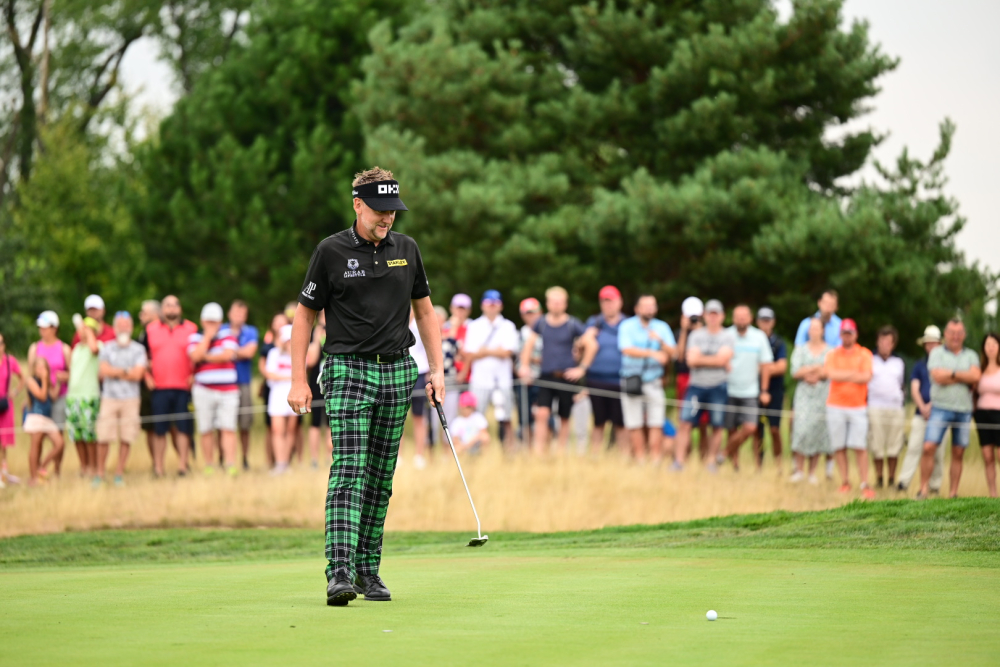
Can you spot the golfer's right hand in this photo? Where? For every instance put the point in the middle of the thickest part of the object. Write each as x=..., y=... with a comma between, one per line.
x=300, y=398
x=435, y=387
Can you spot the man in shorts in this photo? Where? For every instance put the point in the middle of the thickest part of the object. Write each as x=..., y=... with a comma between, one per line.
x=170, y=382
x=215, y=393
x=886, y=416
x=954, y=370
x=122, y=368
x=604, y=374
x=849, y=369
x=526, y=392
x=559, y=332
x=772, y=395
x=709, y=353
x=646, y=344
x=491, y=341
x=247, y=339
x=920, y=392
x=751, y=355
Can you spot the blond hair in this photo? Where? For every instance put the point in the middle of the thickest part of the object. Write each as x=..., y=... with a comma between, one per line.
x=372, y=175
x=557, y=291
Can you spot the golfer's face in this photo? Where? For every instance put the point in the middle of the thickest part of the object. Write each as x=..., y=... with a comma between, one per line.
x=378, y=223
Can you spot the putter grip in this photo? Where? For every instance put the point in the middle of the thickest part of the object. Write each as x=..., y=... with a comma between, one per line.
x=440, y=411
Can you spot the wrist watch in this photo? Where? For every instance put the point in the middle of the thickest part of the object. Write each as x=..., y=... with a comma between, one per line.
x=953, y=375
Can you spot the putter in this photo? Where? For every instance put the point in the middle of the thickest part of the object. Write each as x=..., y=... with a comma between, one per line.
x=475, y=541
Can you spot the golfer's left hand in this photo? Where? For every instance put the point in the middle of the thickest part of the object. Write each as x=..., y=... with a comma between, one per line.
x=300, y=398
x=435, y=387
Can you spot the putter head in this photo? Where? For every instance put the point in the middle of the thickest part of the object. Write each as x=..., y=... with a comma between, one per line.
x=478, y=541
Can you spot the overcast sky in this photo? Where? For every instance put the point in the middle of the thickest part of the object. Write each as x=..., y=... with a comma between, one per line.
x=950, y=67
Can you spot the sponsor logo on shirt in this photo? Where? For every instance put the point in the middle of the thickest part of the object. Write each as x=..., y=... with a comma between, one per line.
x=310, y=288
x=396, y=262
x=352, y=270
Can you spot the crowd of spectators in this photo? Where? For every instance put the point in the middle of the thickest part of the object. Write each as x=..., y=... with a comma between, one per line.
x=728, y=384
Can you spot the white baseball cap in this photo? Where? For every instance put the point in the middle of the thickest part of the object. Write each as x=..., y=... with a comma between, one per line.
x=93, y=301
x=211, y=312
x=931, y=335
x=48, y=318
x=692, y=306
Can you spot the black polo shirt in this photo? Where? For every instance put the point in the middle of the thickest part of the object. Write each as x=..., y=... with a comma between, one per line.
x=366, y=291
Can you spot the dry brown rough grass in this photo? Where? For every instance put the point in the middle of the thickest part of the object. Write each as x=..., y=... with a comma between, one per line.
x=514, y=493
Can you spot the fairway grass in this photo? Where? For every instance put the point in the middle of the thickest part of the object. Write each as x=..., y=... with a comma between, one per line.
x=898, y=583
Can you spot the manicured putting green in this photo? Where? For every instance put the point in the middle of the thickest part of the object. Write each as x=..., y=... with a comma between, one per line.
x=619, y=597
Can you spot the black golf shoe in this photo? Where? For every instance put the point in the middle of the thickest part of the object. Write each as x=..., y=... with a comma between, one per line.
x=339, y=592
x=372, y=587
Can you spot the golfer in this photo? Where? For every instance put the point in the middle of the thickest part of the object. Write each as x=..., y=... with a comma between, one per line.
x=366, y=278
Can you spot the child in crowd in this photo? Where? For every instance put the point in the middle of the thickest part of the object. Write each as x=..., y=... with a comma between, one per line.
x=38, y=419
x=284, y=421
x=469, y=430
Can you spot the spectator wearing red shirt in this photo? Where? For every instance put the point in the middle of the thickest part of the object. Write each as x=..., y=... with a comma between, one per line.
x=93, y=306
x=216, y=391
x=170, y=381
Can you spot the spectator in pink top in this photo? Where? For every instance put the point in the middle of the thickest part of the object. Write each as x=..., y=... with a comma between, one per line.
x=216, y=392
x=56, y=353
x=170, y=380
x=987, y=412
x=9, y=368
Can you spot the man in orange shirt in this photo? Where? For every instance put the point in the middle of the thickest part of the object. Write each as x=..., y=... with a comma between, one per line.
x=849, y=369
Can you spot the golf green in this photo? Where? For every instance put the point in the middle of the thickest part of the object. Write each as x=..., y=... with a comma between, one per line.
x=879, y=584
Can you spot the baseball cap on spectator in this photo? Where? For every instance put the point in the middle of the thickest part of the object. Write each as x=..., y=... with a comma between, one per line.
x=714, y=306
x=48, y=318
x=692, y=306
x=530, y=305
x=467, y=400
x=609, y=293
x=931, y=335
x=492, y=296
x=461, y=301
x=285, y=333
x=211, y=312
x=765, y=313
x=848, y=325
x=93, y=301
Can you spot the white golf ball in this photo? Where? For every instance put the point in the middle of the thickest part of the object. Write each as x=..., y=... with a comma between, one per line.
x=711, y=615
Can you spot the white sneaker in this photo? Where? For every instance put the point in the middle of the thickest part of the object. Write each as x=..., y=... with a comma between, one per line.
x=797, y=477
x=829, y=469
x=813, y=480
x=419, y=462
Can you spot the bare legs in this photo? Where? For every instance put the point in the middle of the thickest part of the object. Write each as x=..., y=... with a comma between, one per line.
x=283, y=438
x=35, y=461
x=991, y=471
x=181, y=441
x=776, y=448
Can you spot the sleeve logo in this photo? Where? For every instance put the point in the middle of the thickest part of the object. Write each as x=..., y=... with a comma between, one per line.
x=396, y=262
x=310, y=288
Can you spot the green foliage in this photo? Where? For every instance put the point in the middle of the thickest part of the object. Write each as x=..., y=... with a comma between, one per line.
x=23, y=290
x=253, y=167
x=75, y=224
x=678, y=148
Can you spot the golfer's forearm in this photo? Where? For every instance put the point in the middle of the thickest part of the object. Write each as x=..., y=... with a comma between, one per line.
x=302, y=327
x=430, y=332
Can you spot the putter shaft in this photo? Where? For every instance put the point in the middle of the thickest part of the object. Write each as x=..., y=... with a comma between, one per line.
x=447, y=435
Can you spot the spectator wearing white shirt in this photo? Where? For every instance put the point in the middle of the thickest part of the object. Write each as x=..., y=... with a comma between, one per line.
x=418, y=403
x=469, y=431
x=491, y=341
x=886, y=415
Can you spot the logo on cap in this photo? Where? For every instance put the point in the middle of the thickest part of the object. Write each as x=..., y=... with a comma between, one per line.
x=388, y=189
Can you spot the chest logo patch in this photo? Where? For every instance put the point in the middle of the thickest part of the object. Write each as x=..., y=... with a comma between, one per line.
x=396, y=262
x=353, y=272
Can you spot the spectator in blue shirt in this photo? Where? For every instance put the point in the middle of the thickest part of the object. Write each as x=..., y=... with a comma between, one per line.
x=247, y=338
x=604, y=374
x=827, y=314
x=646, y=344
x=920, y=391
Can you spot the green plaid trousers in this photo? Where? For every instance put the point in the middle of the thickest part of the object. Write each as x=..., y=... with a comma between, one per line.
x=366, y=403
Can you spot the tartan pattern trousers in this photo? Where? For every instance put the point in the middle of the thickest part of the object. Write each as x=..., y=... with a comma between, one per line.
x=366, y=403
